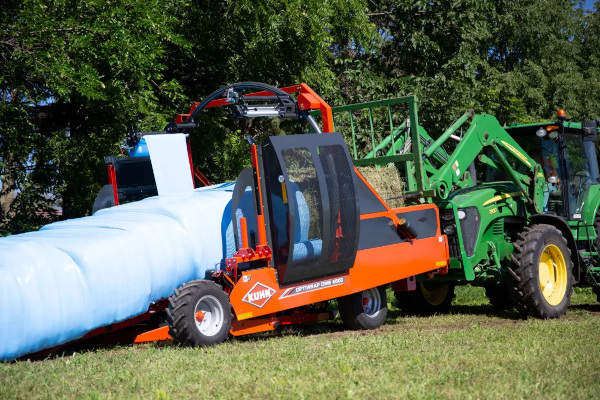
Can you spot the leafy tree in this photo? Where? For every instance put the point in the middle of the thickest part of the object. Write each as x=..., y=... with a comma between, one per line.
x=279, y=43
x=519, y=60
x=74, y=76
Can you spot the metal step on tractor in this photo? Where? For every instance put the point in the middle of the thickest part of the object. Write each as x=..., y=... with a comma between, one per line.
x=520, y=205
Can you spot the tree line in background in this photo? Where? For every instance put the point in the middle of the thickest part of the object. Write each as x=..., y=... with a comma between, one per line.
x=76, y=75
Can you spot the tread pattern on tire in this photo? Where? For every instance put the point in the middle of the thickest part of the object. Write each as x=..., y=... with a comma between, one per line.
x=523, y=278
x=414, y=303
x=181, y=324
x=353, y=315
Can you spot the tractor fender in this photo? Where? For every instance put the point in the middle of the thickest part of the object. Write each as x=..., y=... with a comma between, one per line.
x=563, y=227
x=592, y=203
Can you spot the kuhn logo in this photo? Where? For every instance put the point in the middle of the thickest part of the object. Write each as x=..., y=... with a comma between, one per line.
x=259, y=295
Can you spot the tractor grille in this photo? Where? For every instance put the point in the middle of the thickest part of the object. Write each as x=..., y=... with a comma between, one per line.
x=498, y=227
x=470, y=229
x=453, y=246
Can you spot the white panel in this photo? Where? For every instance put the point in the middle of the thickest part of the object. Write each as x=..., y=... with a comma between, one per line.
x=170, y=162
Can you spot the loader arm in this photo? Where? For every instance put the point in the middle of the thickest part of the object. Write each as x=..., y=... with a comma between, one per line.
x=428, y=168
x=485, y=132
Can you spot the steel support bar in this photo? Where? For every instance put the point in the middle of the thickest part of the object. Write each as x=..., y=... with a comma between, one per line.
x=442, y=139
x=416, y=146
x=509, y=170
x=385, y=142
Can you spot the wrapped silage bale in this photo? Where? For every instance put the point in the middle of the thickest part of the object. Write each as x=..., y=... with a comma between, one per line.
x=74, y=276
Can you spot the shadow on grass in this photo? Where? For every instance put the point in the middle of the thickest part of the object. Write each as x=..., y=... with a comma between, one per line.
x=106, y=341
x=302, y=330
x=595, y=308
x=483, y=309
x=125, y=337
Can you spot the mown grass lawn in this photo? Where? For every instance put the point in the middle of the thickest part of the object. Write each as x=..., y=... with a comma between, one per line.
x=473, y=353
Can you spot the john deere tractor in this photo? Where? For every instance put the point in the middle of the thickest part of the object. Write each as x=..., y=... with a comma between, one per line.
x=520, y=205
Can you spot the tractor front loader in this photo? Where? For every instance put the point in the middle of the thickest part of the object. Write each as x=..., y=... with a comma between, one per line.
x=521, y=223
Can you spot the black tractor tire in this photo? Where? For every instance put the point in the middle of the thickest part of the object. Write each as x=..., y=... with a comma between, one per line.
x=428, y=299
x=199, y=314
x=364, y=310
x=596, y=291
x=540, y=276
x=500, y=297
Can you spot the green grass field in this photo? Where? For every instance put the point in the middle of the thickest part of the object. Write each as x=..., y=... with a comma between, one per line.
x=473, y=353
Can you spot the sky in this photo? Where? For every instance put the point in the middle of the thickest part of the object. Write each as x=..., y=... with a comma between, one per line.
x=589, y=4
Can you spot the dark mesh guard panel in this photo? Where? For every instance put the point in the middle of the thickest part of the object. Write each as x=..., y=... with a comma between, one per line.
x=342, y=202
x=314, y=227
x=277, y=210
x=424, y=222
x=378, y=232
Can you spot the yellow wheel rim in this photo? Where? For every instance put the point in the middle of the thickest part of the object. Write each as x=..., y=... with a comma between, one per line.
x=435, y=296
x=553, y=274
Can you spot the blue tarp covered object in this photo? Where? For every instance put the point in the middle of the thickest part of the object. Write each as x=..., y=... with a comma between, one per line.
x=70, y=277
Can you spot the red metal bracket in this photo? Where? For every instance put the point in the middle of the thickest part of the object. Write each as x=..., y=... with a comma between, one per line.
x=112, y=179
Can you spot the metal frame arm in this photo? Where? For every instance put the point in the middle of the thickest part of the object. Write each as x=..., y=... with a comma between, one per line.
x=485, y=131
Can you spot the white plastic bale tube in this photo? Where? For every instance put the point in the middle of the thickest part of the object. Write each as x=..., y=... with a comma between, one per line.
x=74, y=276
x=78, y=275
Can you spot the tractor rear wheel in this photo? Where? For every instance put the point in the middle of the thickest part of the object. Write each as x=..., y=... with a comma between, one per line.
x=364, y=310
x=427, y=299
x=500, y=297
x=540, y=277
x=199, y=314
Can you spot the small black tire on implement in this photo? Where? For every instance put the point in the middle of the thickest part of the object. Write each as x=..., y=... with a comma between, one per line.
x=364, y=310
x=199, y=314
x=540, y=276
x=428, y=299
x=499, y=297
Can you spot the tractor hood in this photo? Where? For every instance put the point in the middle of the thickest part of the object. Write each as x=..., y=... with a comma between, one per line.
x=484, y=194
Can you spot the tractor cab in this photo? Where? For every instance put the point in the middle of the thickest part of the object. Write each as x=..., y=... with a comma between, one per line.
x=566, y=152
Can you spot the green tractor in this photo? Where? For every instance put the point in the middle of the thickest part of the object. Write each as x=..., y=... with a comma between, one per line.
x=520, y=205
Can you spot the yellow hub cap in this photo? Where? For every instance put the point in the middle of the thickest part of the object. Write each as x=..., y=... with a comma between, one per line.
x=553, y=274
x=435, y=296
